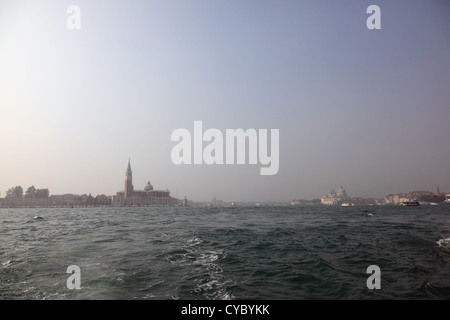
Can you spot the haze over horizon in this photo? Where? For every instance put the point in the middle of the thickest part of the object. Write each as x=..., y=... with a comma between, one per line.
x=365, y=109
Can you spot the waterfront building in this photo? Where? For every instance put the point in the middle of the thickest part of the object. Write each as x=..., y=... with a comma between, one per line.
x=397, y=199
x=146, y=197
x=300, y=202
x=335, y=198
x=420, y=196
x=393, y=199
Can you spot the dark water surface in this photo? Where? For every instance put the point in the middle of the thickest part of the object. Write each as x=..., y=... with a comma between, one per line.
x=314, y=252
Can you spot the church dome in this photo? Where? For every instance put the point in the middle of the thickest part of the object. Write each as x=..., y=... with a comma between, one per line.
x=342, y=193
x=148, y=187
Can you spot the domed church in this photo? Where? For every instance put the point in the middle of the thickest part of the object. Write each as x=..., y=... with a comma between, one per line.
x=146, y=197
x=148, y=187
x=334, y=198
x=342, y=194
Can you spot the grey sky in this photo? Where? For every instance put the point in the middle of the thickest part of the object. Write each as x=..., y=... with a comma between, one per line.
x=366, y=109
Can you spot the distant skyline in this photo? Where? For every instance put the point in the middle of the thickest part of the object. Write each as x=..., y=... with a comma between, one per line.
x=365, y=109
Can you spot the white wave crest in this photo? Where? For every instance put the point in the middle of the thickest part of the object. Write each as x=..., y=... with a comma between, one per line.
x=444, y=242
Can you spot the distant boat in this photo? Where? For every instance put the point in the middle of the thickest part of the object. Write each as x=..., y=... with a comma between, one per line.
x=447, y=198
x=410, y=203
x=346, y=204
x=233, y=204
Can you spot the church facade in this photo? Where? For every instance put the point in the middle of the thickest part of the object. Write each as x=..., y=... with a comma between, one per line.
x=146, y=197
x=335, y=198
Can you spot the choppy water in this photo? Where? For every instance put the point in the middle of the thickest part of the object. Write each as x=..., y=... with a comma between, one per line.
x=314, y=252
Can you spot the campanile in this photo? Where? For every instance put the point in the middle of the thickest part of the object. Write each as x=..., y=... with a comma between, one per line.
x=128, y=192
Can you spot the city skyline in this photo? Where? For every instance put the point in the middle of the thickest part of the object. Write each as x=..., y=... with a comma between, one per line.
x=148, y=186
x=366, y=109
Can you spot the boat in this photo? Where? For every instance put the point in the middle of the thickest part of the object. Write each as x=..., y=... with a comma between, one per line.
x=447, y=198
x=410, y=203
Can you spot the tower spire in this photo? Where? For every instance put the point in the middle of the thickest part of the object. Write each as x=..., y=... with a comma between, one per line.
x=128, y=173
x=128, y=192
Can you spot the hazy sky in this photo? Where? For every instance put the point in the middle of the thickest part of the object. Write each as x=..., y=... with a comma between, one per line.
x=366, y=109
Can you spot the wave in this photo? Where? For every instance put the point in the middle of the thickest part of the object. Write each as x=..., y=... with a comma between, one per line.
x=436, y=292
x=219, y=253
x=444, y=242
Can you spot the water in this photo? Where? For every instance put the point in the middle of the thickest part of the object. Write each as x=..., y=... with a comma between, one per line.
x=287, y=253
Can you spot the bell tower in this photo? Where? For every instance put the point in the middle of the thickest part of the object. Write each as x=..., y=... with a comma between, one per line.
x=128, y=192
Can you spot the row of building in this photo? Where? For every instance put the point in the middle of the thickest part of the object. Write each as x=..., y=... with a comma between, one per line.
x=341, y=198
x=418, y=196
x=127, y=197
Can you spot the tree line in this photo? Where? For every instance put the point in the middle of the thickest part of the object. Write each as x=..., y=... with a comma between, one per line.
x=17, y=193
